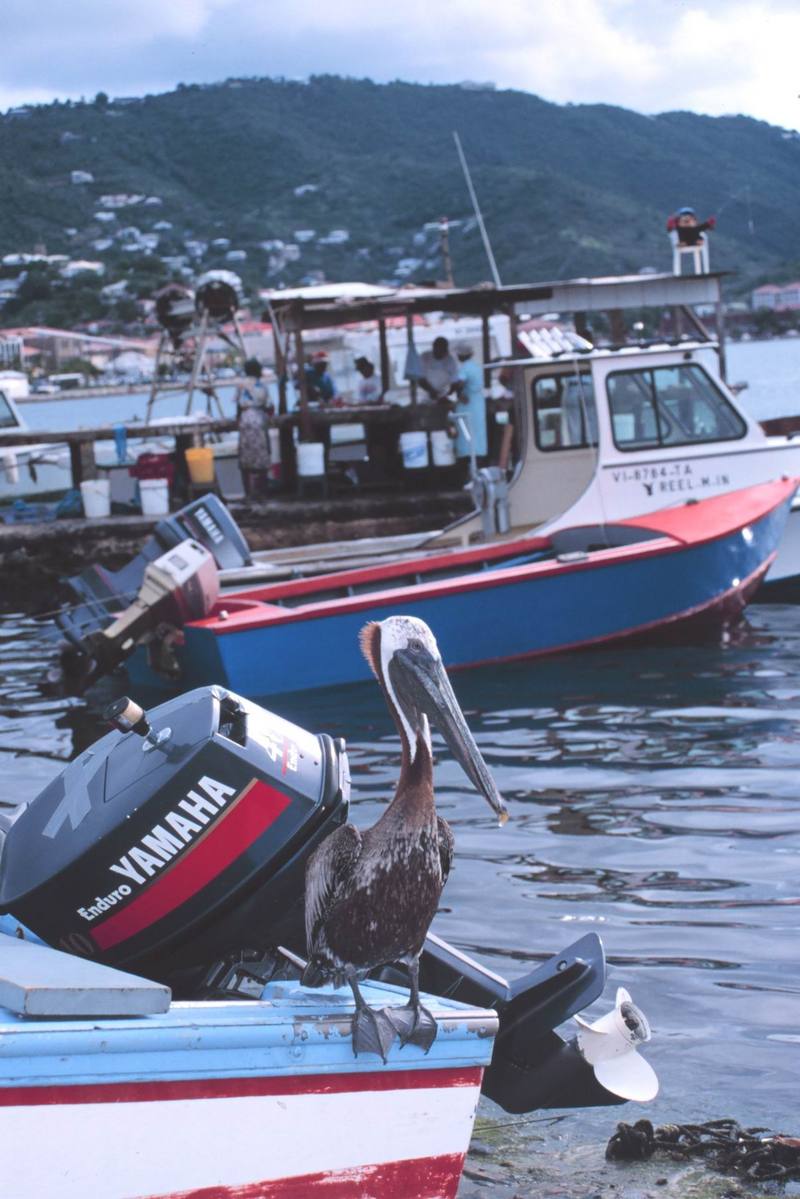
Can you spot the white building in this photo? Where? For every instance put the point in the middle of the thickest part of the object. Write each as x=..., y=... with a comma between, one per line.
x=81, y=266
x=121, y=200
x=336, y=237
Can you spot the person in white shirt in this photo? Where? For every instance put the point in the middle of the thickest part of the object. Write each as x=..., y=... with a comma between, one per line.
x=440, y=371
x=370, y=389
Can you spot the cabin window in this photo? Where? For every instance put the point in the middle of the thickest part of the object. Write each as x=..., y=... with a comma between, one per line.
x=564, y=413
x=669, y=405
x=7, y=418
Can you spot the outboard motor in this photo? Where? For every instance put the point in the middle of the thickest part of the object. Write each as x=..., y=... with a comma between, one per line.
x=181, y=585
x=489, y=490
x=98, y=596
x=178, y=839
x=176, y=847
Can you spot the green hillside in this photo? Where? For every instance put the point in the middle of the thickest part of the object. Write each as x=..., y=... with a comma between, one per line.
x=566, y=190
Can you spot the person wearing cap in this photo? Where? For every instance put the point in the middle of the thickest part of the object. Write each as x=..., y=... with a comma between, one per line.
x=370, y=389
x=470, y=402
x=320, y=386
x=687, y=227
x=439, y=377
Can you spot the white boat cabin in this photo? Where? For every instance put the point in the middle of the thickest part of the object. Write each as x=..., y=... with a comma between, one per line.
x=604, y=434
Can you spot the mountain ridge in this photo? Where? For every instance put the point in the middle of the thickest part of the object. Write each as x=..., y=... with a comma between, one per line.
x=565, y=189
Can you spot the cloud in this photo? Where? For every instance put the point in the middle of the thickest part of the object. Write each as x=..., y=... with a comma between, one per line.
x=712, y=56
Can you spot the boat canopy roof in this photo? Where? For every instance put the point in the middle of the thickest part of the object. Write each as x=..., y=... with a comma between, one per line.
x=326, y=306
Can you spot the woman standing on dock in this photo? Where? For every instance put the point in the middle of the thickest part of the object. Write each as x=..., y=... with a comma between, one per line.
x=253, y=409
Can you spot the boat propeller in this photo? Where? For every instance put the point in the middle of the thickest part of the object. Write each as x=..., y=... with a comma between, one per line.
x=610, y=1046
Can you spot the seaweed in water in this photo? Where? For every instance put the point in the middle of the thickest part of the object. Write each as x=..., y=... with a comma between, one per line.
x=752, y=1153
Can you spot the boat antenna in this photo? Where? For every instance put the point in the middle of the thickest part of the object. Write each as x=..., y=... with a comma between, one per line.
x=487, y=245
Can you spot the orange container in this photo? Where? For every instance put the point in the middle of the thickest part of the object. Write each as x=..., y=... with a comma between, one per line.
x=200, y=461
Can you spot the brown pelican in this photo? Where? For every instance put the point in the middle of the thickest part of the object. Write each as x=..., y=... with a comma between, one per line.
x=371, y=895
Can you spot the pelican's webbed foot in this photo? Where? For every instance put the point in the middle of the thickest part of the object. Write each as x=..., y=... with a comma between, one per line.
x=413, y=1025
x=373, y=1032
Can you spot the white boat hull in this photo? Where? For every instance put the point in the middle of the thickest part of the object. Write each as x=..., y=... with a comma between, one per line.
x=388, y=1133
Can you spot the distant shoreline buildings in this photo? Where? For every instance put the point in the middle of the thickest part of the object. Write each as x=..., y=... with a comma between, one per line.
x=777, y=297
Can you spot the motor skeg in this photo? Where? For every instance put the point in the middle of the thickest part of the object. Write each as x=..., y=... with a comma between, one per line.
x=162, y=853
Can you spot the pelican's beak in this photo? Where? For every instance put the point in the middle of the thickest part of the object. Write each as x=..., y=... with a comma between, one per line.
x=420, y=682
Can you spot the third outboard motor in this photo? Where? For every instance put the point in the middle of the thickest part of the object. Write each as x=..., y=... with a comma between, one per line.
x=489, y=490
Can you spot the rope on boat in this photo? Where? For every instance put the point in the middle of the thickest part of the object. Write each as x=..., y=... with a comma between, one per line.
x=752, y=1153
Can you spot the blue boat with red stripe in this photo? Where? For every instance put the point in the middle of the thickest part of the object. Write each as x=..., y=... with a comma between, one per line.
x=674, y=572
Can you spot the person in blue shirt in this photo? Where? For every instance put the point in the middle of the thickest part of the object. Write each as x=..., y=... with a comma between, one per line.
x=319, y=382
x=470, y=403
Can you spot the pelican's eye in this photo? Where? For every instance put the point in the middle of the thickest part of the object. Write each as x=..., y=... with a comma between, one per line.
x=415, y=645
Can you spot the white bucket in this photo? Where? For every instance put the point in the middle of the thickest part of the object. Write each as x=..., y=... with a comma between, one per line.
x=414, y=448
x=96, y=496
x=443, y=448
x=154, y=497
x=310, y=459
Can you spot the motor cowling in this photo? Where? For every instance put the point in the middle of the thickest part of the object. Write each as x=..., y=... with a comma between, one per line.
x=180, y=585
x=181, y=841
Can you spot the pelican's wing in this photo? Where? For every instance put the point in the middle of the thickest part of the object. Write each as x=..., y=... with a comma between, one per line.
x=329, y=866
x=447, y=847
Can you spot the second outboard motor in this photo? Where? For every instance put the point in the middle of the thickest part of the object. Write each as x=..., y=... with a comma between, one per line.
x=97, y=596
x=181, y=585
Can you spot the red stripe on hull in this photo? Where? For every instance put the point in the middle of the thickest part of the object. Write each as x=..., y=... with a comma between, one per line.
x=229, y=1088
x=258, y=807
x=420, y=1178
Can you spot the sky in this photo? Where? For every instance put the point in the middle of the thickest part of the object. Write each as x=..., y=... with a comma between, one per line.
x=709, y=56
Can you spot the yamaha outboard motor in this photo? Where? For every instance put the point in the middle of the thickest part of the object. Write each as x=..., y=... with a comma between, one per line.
x=178, y=839
x=99, y=598
x=176, y=847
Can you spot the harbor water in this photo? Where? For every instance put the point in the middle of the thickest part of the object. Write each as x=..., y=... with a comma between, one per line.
x=655, y=799
x=654, y=796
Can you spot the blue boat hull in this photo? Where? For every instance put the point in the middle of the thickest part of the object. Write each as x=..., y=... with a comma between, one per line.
x=517, y=613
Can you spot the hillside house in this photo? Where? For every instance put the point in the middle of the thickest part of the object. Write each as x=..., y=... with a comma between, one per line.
x=784, y=297
x=82, y=266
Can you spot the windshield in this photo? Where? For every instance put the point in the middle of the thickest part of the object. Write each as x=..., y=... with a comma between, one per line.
x=669, y=405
